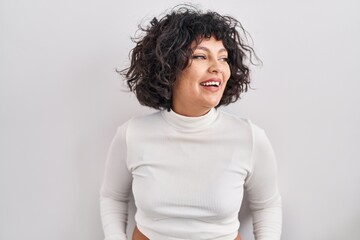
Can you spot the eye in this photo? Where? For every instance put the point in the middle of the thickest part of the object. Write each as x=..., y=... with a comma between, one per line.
x=224, y=59
x=198, y=57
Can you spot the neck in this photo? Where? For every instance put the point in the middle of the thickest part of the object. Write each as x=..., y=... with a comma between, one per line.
x=190, y=112
x=190, y=124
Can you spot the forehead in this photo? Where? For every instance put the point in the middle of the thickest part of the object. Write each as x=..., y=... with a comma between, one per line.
x=208, y=44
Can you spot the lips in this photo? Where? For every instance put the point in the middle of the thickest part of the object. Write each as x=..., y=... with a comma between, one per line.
x=214, y=82
x=212, y=85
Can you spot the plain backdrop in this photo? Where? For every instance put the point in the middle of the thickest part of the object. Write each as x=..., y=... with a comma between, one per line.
x=61, y=101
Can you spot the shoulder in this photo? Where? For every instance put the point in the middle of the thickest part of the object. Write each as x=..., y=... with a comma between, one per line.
x=234, y=119
x=237, y=122
x=140, y=121
x=261, y=151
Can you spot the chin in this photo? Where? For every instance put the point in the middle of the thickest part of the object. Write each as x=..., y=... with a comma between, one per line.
x=210, y=101
x=213, y=104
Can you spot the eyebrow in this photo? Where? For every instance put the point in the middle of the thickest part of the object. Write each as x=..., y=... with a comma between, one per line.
x=208, y=50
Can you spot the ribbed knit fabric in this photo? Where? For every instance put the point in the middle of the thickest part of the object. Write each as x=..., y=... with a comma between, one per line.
x=188, y=176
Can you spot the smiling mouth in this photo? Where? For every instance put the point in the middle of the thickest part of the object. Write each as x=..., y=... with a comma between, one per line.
x=210, y=84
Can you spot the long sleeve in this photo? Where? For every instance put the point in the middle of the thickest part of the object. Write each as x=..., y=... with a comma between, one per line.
x=262, y=189
x=115, y=189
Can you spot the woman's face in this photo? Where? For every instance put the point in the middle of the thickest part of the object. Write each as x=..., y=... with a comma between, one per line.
x=200, y=86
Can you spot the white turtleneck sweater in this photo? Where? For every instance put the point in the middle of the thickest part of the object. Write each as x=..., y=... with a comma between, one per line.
x=188, y=176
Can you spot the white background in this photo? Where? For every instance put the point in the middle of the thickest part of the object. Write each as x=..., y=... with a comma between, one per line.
x=61, y=101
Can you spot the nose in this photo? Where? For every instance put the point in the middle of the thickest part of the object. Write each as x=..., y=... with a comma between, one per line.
x=215, y=67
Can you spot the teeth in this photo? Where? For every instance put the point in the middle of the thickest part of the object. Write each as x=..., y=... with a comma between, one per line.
x=210, y=84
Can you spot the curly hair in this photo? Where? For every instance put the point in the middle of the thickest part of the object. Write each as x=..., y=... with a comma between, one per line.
x=164, y=49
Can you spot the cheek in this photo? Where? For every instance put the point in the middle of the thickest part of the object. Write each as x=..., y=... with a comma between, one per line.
x=182, y=84
x=227, y=73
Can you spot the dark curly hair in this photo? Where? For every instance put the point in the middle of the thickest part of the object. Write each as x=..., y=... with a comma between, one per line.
x=164, y=49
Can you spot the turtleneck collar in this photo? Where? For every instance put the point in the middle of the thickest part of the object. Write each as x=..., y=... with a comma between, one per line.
x=189, y=123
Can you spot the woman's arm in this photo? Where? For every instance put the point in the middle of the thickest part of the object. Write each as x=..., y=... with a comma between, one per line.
x=262, y=189
x=115, y=189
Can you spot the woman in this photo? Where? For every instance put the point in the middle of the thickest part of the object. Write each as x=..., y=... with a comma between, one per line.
x=189, y=164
